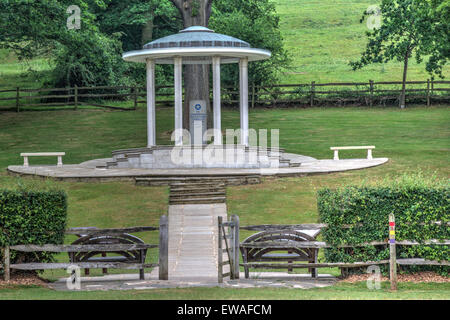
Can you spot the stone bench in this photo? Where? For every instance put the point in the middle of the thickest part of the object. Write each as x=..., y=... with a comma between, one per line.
x=368, y=148
x=43, y=154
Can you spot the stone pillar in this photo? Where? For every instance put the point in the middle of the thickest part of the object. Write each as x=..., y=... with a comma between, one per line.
x=217, y=102
x=243, y=77
x=178, y=101
x=151, y=115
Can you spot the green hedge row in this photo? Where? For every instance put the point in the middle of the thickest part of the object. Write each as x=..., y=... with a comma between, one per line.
x=371, y=206
x=32, y=217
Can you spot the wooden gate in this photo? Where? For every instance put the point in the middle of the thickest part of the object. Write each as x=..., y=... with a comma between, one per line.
x=228, y=235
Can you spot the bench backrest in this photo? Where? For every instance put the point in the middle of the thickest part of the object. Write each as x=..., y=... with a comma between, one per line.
x=279, y=236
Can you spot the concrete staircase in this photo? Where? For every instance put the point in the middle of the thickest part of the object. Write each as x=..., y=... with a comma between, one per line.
x=161, y=157
x=197, y=193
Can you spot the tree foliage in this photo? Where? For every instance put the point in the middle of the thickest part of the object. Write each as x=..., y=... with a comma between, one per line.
x=39, y=28
x=92, y=54
x=256, y=22
x=409, y=28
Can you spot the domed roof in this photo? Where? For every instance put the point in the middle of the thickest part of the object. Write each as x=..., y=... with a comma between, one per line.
x=197, y=45
x=197, y=36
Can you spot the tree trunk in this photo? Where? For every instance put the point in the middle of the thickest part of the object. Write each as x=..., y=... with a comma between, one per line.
x=147, y=32
x=405, y=71
x=196, y=77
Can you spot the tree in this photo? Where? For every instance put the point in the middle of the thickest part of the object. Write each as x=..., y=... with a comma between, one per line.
x=409, y=27
x=254, y=21
x=92, y=54
x=440, y=11
x=196, y=77
x=257, y=22
x=39, y=28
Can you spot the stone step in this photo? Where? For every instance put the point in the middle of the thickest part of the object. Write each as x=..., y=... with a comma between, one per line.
x=198, y=180
x=189, y=189
x=218, y=183
x=196, y=195
x=199, y=201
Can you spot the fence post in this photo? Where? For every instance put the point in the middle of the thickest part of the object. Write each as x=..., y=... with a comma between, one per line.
x=392, y=253
x=220, y=251
x=371, y=93
x=17, y=98
x=432, y=90
x=135, y=91
x=75, y=96
x=428, y=93
x=6, y=262
x=236, y=243
x=163, y=248
x=313, y=89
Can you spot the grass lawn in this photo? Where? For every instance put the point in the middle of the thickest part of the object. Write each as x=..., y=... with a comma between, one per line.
x=342, y=291
x=415, y=139
x=324, y=36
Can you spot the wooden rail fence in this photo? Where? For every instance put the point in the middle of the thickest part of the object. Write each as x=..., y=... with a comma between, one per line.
x=285, y=244
x=305, y=95
x=97, y=248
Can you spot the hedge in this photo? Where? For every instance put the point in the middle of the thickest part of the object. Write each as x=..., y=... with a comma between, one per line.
x=367, y=209
x=32, y=217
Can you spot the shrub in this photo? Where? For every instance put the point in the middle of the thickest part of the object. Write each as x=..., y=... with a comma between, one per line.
x=366, y=209
x=32, y=217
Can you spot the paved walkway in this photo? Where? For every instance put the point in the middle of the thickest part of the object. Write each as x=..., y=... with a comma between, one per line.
x=193, y=240
x=257, y=280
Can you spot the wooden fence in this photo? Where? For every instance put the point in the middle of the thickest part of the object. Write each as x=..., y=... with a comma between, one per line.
x=286, y=244
x=99, y=248
x=303, y=95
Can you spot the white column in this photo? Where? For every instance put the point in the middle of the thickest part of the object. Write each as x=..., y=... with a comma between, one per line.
x=217, y=102
x=243, y=76
x=178, y=101
x=151, y=115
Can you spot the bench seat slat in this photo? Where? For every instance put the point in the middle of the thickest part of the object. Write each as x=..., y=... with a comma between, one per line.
x=280, y=255
x=108, y=259
x=353, y=148
x=368, y=148
x=42, y=154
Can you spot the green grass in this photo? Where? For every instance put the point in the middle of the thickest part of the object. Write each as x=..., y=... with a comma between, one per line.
x=324, y=36
x=14, y=73
x=415, y=139
x=341, y=291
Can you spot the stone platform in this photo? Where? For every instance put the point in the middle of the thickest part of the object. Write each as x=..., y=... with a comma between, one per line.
x=88, y=171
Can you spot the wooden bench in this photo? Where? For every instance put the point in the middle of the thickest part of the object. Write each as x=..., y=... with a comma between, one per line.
x=368, y=148
x=129, y=256
x=287, y=253
x=25, y=156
